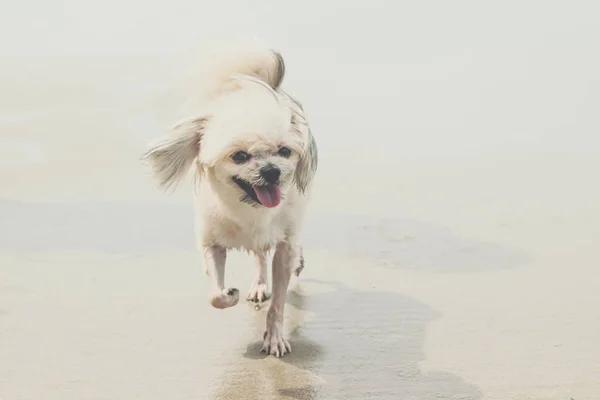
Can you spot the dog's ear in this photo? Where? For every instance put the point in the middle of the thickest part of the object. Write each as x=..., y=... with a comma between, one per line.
x=308, y=163
x=309, y=159
x=172, y=156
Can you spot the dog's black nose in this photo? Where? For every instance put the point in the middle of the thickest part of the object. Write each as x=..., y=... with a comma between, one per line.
x=270, y=173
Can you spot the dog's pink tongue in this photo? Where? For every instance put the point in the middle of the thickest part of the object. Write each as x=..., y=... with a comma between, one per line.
x=269, y=196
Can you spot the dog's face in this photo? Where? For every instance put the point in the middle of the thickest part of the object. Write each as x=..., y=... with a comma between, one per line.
x=252, y=145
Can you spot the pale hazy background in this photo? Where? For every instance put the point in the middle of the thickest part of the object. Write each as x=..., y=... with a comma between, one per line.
x=452, y=239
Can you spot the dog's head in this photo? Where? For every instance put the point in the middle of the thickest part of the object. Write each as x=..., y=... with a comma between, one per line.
x=252, y=141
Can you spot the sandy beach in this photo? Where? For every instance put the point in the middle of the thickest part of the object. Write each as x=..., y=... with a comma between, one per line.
x=450, y=243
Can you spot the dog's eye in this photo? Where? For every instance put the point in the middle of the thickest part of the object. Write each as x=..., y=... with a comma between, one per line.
x=240, y=157
x=284, y=152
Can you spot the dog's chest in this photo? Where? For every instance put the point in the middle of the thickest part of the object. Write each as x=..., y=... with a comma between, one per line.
x=250, y=234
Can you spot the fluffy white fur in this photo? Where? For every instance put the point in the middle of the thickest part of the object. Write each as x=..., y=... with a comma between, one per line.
x=241, y=107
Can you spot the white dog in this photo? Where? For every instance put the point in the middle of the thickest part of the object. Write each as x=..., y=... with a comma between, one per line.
x=254, y=157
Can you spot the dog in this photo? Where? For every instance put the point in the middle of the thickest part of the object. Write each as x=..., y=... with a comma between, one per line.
x=254, y=159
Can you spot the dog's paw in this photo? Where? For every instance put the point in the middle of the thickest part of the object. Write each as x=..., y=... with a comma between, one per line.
x=274, y=343
x=227, y=298
x=258, y=292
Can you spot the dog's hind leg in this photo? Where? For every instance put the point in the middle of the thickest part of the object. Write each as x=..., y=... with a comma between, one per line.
x=259, y=290
x=300, y=266
x=214, y=263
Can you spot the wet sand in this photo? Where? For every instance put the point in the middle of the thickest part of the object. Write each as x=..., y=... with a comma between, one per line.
x=450, y=245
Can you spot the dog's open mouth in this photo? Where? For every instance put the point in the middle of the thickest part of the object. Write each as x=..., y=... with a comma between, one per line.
x=267, y=195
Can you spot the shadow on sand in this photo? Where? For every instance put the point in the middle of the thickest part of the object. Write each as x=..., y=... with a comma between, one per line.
x=357, y=345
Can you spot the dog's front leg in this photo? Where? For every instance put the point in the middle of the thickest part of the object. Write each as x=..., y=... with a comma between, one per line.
x=285, y=260
x=214, y=262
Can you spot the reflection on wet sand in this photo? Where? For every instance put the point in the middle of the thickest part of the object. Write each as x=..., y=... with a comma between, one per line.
x=347, y=343
x=358, y=345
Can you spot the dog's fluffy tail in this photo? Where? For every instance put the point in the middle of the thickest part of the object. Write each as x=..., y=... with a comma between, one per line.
x=213, y=73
